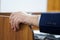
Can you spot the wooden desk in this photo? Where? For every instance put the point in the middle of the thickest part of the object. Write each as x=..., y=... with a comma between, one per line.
x=6, y=33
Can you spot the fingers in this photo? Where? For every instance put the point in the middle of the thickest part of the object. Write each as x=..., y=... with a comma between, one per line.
x=14, y=22
x=16, y=18
x=17, y=23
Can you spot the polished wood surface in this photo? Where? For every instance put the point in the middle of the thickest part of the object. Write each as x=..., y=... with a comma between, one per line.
x=34, y=13
x=6, y=33
x=53, y=6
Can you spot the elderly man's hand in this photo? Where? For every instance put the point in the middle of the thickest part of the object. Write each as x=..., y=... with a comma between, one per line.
x=22, y=17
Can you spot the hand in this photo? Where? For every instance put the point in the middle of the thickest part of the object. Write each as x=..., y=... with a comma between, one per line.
x=22, y=17
x=16, y=18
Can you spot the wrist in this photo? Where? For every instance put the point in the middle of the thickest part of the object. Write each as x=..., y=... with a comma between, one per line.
x=32, y=20
x=35, y=20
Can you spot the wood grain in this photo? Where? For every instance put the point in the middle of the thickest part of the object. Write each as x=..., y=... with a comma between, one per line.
x=1, y=29
x=6, y=33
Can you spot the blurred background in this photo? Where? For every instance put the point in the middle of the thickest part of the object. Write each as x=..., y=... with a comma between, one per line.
x=32, y=6
x=23, y=5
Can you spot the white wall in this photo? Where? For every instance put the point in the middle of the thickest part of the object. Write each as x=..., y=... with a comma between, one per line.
x=23, y=5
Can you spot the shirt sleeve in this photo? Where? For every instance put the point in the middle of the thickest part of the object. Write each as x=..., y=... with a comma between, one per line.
x=50, y=23
x=39, y=19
